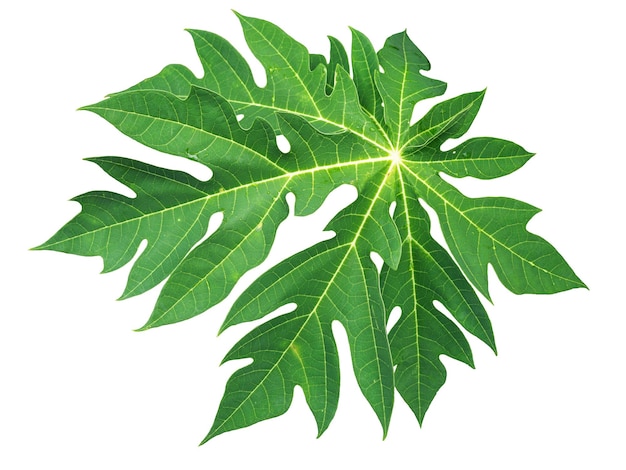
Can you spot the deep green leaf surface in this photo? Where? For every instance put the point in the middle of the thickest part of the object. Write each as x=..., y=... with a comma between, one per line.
x=402, y=85
x=347, y=120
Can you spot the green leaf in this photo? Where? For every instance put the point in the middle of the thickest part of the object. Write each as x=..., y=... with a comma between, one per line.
x=402, y=85
x=335, y=280
x=426, y=274
x=481, y=157
x=493, y=231
x=347, y=121
x=365, y=66
x=171, y=211
x=444, y=121
x=292, y=86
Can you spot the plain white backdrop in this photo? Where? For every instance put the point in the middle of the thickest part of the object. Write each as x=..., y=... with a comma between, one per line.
x=79, y=389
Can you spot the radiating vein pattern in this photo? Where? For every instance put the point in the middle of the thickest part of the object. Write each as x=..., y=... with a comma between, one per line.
x=347, y=120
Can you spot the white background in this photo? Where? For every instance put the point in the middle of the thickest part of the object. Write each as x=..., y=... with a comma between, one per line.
x=79, y=389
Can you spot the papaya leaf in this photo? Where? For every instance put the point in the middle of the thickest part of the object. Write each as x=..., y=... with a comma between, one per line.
x=347, y=121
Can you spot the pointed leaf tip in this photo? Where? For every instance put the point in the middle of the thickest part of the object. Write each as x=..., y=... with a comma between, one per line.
x=143, y=328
